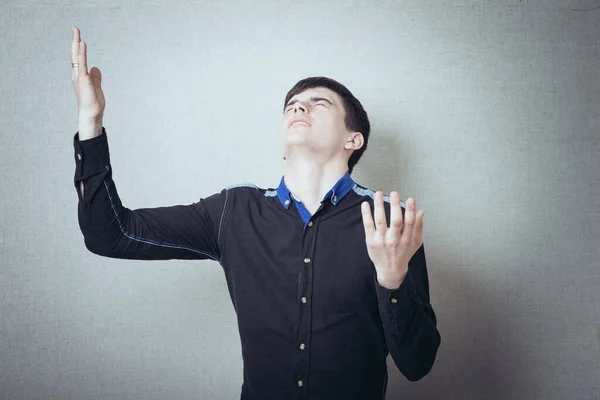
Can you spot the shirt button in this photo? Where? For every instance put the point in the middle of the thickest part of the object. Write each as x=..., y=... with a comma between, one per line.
x=303, y=300
x=310, y=223
x=306, y=260
x=334, y=198
x=79, y=156
x=300, y=383
x=287, y=202
x=394, y=300
x=302, y=346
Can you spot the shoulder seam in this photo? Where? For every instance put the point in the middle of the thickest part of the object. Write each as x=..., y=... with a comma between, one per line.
x=244, y=184
x=363, y=191
x=222, y=216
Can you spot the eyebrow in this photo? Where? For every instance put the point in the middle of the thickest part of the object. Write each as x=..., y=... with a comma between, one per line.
x=313, y=99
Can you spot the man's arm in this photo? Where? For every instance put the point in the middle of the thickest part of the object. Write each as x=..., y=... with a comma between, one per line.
x=409, y=322
x=112, y=230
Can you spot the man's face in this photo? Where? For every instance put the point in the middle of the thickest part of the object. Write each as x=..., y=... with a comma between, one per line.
x=314, y=119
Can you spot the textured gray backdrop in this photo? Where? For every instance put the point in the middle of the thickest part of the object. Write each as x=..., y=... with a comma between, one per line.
x=485, y=112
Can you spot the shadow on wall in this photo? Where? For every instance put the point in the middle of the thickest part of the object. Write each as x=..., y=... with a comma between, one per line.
x=476, y=359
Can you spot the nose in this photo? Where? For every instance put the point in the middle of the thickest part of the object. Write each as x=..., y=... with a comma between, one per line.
x=299, y=106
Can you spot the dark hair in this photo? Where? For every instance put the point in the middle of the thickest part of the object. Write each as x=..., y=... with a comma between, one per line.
x=356, y=116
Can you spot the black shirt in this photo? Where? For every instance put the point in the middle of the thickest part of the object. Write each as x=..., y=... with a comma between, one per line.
x=314, y=322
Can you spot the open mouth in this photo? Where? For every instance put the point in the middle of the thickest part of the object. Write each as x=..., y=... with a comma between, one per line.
x=299, y=123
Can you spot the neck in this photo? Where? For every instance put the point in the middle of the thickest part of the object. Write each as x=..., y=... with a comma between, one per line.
x=309, y=180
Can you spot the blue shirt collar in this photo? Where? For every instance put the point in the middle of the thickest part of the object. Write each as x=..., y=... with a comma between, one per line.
x=339, y=190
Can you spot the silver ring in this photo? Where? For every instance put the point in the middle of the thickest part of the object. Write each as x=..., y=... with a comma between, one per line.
x=74, y=64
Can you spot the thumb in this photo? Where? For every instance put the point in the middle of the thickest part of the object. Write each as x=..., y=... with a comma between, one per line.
x=96, y=76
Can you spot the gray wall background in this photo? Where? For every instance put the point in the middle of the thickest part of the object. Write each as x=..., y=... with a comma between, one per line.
x=485, y=112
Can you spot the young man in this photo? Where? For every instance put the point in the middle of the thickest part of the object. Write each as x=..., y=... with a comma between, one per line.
x=323, y=289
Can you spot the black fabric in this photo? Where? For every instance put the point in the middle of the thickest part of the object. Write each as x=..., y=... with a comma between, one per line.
x=337, y=340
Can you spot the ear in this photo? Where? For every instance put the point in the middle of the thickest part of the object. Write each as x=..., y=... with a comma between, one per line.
x=355, y=141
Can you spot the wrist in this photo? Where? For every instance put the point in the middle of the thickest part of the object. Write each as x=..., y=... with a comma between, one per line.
x=390, y=281
x=89, y=129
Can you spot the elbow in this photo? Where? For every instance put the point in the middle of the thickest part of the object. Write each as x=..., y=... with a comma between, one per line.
x=418, y=371
x=97, y=248
x=423, y=363
x=417, y=375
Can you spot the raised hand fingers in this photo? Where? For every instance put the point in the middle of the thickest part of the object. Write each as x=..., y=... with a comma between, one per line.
x=75, y=38
x=367, y=219
x=418, y=230
x=78, y=55
x=380, y=221
x=396, y=219
x=82, y=59
x=410, y=218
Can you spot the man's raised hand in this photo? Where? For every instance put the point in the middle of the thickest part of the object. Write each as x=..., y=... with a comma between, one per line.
x=391, y=248
x=88, y=90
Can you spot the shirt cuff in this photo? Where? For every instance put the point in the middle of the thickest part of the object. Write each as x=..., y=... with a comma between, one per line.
x=396, y=301
x=91, y=155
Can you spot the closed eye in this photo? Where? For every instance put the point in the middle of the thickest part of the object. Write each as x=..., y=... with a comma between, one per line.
x=316, y=104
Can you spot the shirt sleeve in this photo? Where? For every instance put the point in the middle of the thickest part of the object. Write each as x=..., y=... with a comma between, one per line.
x=109, y=229
x=409, y=322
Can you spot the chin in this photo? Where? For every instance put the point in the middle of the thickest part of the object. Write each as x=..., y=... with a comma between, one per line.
x=293, y=140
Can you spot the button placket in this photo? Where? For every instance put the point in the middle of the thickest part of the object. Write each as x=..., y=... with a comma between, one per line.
x=303, y=300
x=304, y=335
